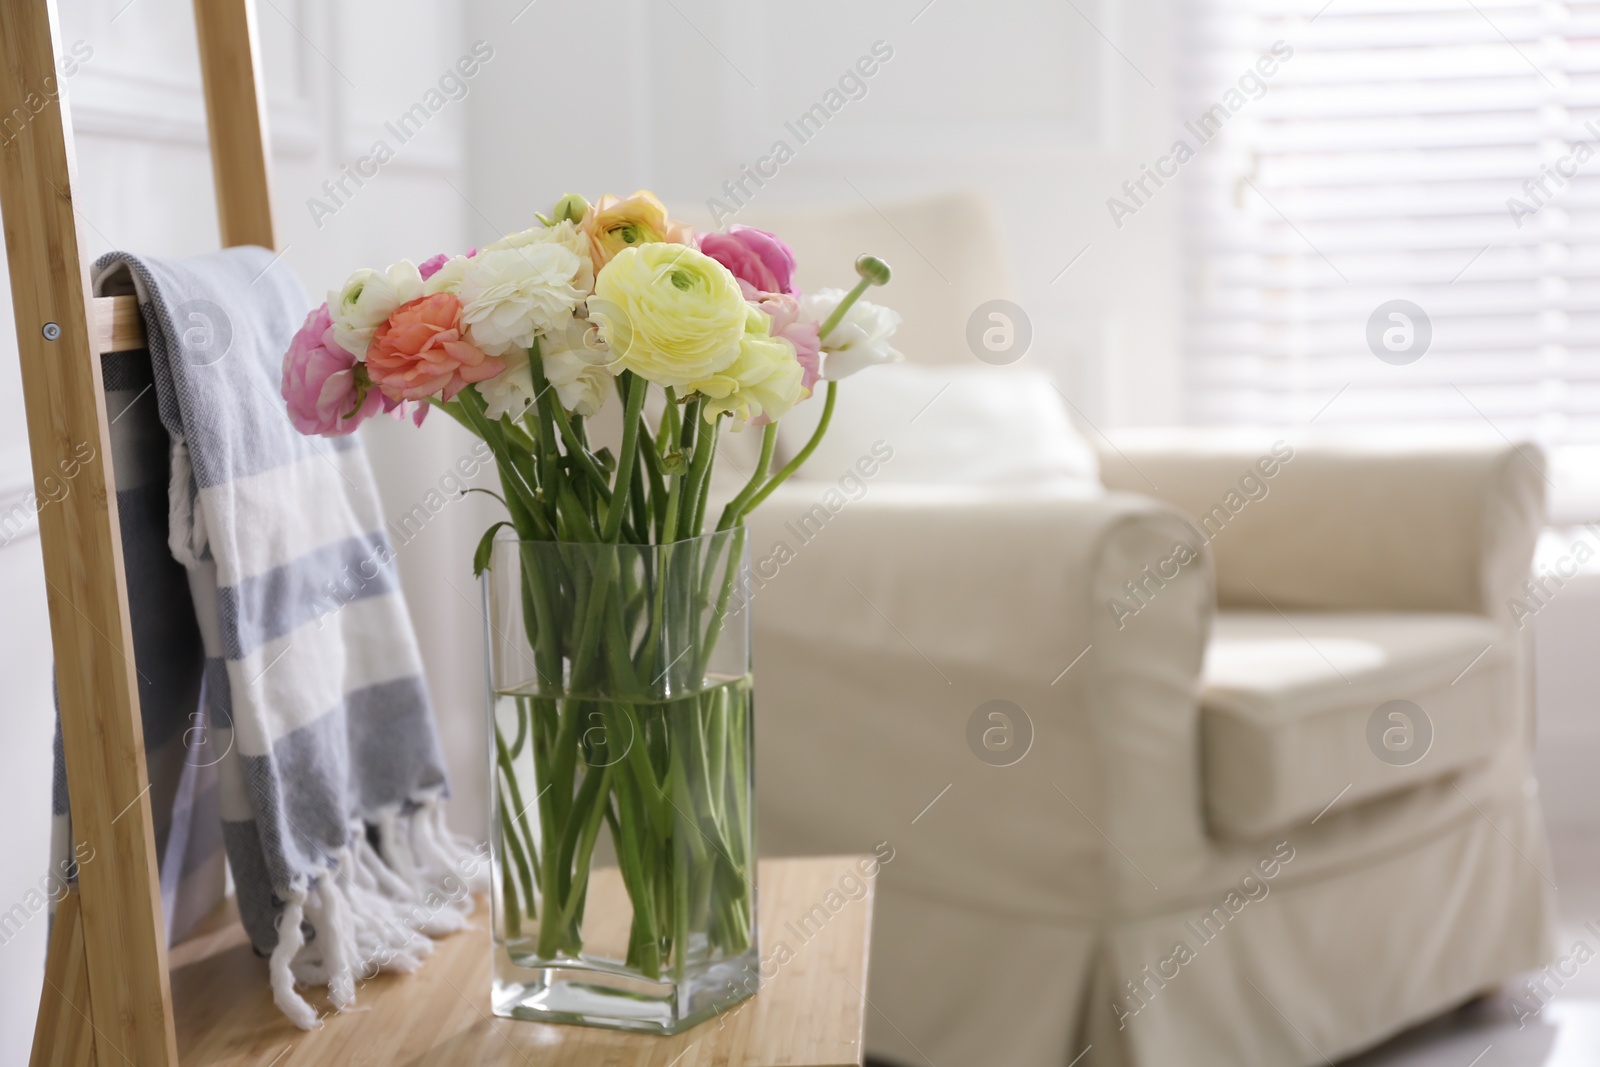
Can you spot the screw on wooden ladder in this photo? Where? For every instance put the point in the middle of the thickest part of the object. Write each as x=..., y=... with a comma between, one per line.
x=51, y=331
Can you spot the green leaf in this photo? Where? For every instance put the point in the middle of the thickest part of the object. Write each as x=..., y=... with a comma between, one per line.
x=486, y=492
x=480, y=558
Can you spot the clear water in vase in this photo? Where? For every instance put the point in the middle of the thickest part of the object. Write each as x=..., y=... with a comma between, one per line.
x=624, y=874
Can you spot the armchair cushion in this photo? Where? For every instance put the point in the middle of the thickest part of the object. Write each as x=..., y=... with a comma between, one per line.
x=953, y=425
x=1290, y=715
x=1319, y=522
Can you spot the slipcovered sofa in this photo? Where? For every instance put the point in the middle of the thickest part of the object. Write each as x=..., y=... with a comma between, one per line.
x=1205, y=748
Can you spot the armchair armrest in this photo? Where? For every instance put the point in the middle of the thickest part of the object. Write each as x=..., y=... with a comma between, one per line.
x=884, y=625
x=1335, y=525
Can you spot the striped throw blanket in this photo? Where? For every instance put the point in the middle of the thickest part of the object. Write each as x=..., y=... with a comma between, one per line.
x=286, y=717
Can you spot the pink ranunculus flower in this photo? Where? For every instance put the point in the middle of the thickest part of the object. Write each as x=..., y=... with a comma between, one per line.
x=401, y=410
x=754, y=256
x=420, y=352
x=322, y=386
x=787, y=325
x=430, y=266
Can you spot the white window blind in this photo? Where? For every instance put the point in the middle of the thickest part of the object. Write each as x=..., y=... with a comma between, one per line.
x=1377, y=166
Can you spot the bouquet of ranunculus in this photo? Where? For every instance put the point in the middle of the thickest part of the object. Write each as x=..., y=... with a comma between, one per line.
x=621, y=689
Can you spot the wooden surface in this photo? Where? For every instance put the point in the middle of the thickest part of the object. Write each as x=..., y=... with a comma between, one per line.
x=809, y=1013
x=123, y=936
x=63, y=1038
x=236, y=116
x=117, y=324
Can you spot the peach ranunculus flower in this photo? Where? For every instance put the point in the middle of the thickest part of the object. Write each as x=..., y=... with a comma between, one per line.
x=420, y=351
x=614, y=224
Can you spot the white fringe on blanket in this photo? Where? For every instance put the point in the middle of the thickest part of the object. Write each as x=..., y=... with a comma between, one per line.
x=372, y=913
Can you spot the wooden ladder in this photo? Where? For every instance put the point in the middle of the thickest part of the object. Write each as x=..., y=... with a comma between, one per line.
x=107, y=996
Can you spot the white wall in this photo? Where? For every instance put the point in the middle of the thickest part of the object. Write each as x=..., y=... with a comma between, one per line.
x=1024, y=100
x=335, y=72
x=1567, y=680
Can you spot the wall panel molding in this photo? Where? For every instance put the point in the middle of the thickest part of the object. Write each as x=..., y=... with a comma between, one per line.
x=147, y=106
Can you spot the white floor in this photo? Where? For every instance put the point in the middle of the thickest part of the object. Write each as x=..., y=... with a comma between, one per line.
x=1565, y=1033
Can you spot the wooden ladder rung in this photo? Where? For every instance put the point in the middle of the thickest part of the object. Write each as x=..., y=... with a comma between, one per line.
x=118, y=326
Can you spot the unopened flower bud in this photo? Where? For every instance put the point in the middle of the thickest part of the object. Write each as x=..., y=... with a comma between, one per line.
x=873, y=269
x=571, y=207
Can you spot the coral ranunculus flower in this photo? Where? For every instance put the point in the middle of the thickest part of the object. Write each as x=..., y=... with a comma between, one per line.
x=614, y=224
x=420, y=353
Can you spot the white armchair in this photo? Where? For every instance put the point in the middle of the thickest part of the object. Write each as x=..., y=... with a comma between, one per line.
x=1213, y=842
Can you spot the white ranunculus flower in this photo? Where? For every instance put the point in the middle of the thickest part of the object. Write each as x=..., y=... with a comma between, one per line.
x=511, y=391
x=861, y=339
x=447, y=279
x=563, y=233
x=580, y=382
x=367, y=300
x=511, y=295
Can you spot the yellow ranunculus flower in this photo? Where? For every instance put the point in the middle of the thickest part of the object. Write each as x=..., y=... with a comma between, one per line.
x=614, y=224
x=759, y=386
x=669, y=313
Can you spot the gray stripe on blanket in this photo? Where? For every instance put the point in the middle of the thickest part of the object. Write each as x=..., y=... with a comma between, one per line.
x=388, y=725
x=258, y=907
x=387, y=729
x=219, y=692
x=267, y=606
x=392, y=740
x=303, y=827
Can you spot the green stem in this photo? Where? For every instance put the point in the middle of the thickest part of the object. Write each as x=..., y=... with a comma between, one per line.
x=637, y=387
x=509, y=823
x=549, y=458
x=839, y=312
x=705, y=450
x=586, y=462
x=585, y=853
x=658, y=492
x=800, y=457
x=522, y=727
x=735, y=509
x=519, y=860
x=527, y=513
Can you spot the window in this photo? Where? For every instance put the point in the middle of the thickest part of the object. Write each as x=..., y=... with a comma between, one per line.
x=1444, y=153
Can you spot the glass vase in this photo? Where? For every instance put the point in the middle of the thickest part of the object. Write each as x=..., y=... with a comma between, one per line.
x=624, y=860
